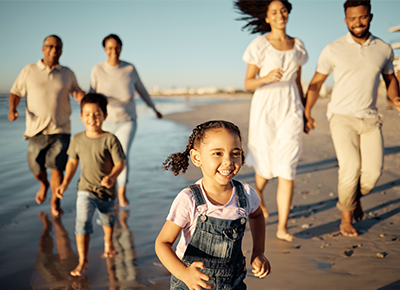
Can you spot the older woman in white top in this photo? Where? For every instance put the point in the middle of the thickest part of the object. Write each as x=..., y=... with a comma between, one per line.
x=118, y=81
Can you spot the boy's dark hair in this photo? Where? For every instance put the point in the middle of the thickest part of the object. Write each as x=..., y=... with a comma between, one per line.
x=352, y=3
x=257, y=11
x=93, y=98
x=112, y=36
x=180, y=161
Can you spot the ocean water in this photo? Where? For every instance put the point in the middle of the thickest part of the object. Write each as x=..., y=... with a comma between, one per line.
x=37, y=251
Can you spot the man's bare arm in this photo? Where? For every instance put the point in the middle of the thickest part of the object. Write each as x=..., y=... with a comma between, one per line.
x=312, y=97
x=13, y=102
x=392, y=86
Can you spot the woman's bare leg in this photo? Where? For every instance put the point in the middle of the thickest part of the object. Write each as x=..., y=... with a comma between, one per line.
x=284, y=198
x=261, y=182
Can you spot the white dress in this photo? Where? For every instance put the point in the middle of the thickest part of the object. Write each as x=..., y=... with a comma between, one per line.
x=276, y=113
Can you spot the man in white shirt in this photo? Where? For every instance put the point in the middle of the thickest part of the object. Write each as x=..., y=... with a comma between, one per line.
x=46, y=85
x=357, y=61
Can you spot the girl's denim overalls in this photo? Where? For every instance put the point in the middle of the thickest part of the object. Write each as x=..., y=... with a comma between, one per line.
x=218, y=244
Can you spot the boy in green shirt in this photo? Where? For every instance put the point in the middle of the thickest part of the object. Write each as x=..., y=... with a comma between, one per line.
x=102, y=159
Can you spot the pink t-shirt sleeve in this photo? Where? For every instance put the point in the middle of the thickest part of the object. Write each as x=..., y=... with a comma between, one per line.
x=182, y=209
x=253, y=200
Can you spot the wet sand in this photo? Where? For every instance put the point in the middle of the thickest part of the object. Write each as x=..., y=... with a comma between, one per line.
x=320, y=257
x=38, y=251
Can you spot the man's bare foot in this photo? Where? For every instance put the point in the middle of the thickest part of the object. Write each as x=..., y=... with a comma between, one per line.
x=347, y=229
x=123, y=201
x=109, y=250
x=284, y=235
x=80, y=269
x=42, y=192
x=56, y=210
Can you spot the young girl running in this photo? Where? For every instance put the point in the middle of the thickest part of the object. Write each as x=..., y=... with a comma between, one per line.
x=212, y=215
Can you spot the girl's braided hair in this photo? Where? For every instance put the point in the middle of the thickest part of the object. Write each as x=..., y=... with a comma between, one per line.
x=256, y=12
x=180, y=161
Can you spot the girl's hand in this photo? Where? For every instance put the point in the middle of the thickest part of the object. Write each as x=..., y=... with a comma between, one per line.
x=194, y=279
x=107, y=181
x=274, y=76
x=261, y=266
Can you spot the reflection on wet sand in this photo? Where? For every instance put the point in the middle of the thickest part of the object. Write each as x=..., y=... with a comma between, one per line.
x=122, y=271
x=55, y=268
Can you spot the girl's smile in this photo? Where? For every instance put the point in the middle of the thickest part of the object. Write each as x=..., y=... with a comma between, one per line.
x=219, y=156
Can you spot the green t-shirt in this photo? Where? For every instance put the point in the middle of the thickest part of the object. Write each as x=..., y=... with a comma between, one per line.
x=97, y=157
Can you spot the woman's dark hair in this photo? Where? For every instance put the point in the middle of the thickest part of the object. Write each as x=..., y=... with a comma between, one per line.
x=93, y=98
x=112, y=36
x=257, y=11
x=180, y=161
x=352, y=3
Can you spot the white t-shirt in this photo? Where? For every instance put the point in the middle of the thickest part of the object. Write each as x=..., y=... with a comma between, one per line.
x=183, y=211
x=356, y=74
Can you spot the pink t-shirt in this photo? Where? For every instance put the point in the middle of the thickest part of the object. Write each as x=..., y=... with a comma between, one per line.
x=184, y=213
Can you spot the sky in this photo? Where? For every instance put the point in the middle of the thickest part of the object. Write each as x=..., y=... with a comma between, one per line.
x=173, y=44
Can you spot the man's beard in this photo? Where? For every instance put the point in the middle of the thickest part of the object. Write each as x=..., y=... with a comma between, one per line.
x=363, y=35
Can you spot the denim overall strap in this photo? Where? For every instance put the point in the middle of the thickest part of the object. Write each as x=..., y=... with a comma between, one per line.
x=196, y=193
x=218, y=244
x=241, y=199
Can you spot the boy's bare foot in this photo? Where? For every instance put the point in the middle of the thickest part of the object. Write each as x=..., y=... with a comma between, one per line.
x=109, y=250
x=80, y=269
x=42, y=192
x=284, y=235
x=123, y=201
x=347, y=229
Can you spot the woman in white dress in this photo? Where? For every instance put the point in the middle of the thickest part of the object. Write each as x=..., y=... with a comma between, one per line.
x=118, y=80
x=276, y=114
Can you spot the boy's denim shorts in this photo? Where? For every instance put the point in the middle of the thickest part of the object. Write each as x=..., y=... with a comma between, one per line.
x=86, y=204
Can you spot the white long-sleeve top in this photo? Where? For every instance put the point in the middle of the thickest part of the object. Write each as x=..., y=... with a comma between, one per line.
x=118, y=84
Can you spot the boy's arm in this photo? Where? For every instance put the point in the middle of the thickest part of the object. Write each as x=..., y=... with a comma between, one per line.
x=109, y=180
x=70, y=169
x=259, y=262
x=191, y=276
x=312, y=96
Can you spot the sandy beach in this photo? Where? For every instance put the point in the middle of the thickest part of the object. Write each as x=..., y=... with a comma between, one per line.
x=37, y=251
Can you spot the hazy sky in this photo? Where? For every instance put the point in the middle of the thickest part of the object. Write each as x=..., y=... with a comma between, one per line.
x=183, y=43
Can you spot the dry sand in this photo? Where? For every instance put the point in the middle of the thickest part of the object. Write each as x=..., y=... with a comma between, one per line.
x=320, y=257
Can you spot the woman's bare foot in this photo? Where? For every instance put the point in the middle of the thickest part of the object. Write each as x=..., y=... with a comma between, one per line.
x=264, y=209
x=42, y=192
x=123, y=201
x=284, y=235
x=123, y=216
x=80, y=269
x=109, y=250
x=347, y=229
